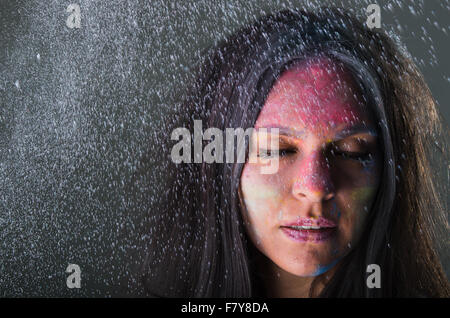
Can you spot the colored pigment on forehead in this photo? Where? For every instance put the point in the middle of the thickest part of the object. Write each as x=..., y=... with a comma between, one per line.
x=318, y=96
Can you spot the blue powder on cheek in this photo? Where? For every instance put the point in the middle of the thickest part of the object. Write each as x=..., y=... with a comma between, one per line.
x=324, y=268
x=335, y=210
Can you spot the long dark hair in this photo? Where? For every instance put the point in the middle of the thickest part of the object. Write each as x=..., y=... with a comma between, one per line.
x=198, y=245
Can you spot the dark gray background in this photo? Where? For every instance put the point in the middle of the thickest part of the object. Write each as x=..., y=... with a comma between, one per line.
x=75, y=123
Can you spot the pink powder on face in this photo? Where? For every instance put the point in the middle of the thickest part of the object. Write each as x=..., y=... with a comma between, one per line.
x=316, y=177
x=317, y=96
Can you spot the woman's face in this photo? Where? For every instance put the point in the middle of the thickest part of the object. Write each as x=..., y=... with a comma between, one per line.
x=310, y=213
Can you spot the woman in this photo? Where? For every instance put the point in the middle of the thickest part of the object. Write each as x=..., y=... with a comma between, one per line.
x=353, y=185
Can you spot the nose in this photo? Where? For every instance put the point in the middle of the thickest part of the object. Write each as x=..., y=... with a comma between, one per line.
x=313, y=179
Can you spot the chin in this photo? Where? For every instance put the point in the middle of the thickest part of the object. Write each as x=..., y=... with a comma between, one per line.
x=312, y=269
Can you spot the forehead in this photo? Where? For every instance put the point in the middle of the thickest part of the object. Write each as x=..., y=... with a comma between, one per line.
x=319, y=95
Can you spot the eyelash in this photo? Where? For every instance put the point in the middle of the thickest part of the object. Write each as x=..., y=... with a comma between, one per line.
x=281, y=152
x=360, y=156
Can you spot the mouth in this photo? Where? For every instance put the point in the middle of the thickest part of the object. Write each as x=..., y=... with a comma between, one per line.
x=309, y=230
x=308, y=234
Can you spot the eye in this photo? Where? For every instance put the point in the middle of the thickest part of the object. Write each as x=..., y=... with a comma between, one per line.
x=349, y=155
x=287, y=152
x=267, y=153
x=354, y=149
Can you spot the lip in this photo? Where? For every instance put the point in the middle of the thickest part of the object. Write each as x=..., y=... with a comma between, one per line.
x=320, y=222
x=310, y=230
x=316, y=236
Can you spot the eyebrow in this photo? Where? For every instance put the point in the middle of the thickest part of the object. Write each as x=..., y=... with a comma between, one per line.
x=357, y=129
x=344, y=133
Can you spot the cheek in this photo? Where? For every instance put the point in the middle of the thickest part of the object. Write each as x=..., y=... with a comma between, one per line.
x=362, y=196
x=261, y=193
x=356, y=204
x=357, y=198
x=364, y=191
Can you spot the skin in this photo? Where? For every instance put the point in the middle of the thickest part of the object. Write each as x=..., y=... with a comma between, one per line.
x=329, y=167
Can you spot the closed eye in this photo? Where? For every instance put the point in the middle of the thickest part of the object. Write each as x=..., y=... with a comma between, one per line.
x=361, y=156
x=354, y=148
x=265, y=153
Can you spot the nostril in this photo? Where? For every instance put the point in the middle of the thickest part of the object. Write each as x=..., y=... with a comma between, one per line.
x=320, y=190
